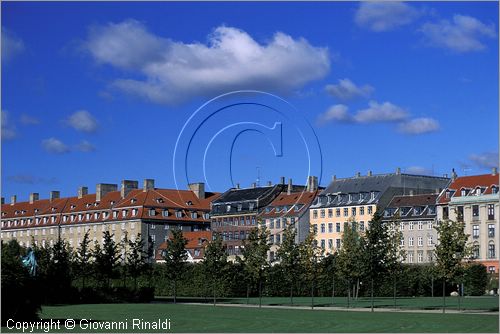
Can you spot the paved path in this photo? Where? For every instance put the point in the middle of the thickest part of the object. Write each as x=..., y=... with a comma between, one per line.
x=358, y=309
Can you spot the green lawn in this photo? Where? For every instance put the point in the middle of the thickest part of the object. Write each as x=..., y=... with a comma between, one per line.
x=488, y=303
x=194, y=318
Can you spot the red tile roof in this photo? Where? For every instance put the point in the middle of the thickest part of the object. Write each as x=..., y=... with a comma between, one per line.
x=470, y=182
x=304, y=198
x=196, y=240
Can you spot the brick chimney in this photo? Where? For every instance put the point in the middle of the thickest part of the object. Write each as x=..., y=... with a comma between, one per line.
x=102, y=189
x=370, y=173
x=269, y=183
x=254, y=185
x=198, y=189
x=82, y=191
x=453, y=174
x=3, y=200
x=54, y=194
x=282, y=180
x=398, y=171
x=334, y=178
x=148, y=184
x=13, y=199
x=237, y=186
x=494, y=171
x=34, y=197
x=312, y=183
x=290, y=186
x=358, y=174
x=127, y=187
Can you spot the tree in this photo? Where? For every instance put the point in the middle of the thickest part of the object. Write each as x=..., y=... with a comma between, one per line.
x=215, y=262
x=255, y=250
x=136, y=258
x=329, y=266
x=288, y=256
x=350, y=261
x=450, y=251
x=83, y=257
x=58, y=275
x=380, y=251
x=475, y=279
x=175, y=257
x=107, y=258
x=308, y=259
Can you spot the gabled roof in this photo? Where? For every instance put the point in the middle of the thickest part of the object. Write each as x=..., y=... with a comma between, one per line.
x=470, y=182
x=413, y=200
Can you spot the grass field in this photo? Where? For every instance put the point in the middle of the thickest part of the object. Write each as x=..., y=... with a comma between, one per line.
x=205, y=318
x=488, y=303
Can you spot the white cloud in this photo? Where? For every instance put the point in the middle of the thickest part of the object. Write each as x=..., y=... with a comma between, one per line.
x=385, y=112
x=83, y=121
x=485, y=160
x=29, y=120
x=30, y=179
x=230, y=60
x=384, y=15
x=418, y=170
x=462, y=34
x=85, y=146
x=54, y=145
x=8, y=128
x=337, y=112
x=346, y=89
x=418, y=126
x=11, y=45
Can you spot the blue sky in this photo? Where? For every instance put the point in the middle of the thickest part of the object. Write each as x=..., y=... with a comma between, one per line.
x=99, y=92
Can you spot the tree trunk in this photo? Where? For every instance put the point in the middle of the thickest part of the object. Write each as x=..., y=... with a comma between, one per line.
x=213, y=287
x=444, y=294
x=312, y=294
x=175, y=291
x=248, y=293
x=333, y=288
x=260, y=292
x=372, y=293
x=291, y=293
x=432, y=286
x=348, y=293
x=395, y=282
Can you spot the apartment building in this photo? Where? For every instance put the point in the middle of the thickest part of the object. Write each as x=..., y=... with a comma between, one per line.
x=289, y=209
x=415, y=217
x=354, y=201
x=237, y=211
x=125, y=213
x=195, y=247
x=474, y=200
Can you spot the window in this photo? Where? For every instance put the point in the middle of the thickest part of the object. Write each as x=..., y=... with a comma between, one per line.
x=271, y=223
x=278, y=223
x=322, y=213
x=346, y=212
x=253, y=220
x=194, y=215
x=330, y=228
x=278, y=238
x=420, y=256
x=362, y=210
x=494, y=190
x=323, y=228
x=251, y=206
x=353, y=211
x=330, y=243
x=315, y=214
x=420, y=225
x=228, y=208
x=475, y=231
x=79, y=229
x=115, y=214
x=87, y=216
x=65, y=218
x=491, y=230
x=134, y=212
x=337, y=243
x=284, y=220
x=330, y=213
x=491, y=211
x=491, y=269
x=124, y=213
x=178, y=214
x=491, y=250
x=240, y=206
x=475, y=251
x=410, y=241
x=446, y=213
x=315, y=228
x=475, y=212
x=402, y=241
x=337, y=212
x=460, y=213
x=361, y=226
x=370, y=210
x=410, y=257
x=337, y=227
x=401, y=226
x=271, y=239
x=429, y=225
x=96, y=215
x=430, y=242
x=410, y=226
x=420, y=241
x=323, y=244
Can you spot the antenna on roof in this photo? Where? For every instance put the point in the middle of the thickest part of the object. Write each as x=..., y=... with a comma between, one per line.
x=258, y=176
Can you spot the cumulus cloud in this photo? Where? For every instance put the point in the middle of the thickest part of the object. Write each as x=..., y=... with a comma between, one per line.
x=462, y=34
x=231, y=59
x=384, y=15
x=85, y=146
x=8, y=128
x=54, y=145
x=29, y=120
x=346, y=90
x=338, y=112
x=11, y=45
x=485, y=160
x=418, y=170
x=376, y=112
x=83, y=121
x=419, y=125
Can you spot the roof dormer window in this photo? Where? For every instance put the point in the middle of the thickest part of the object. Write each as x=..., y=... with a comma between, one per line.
x=87, y=205
x=494, y=189
x=240, y=206
x=72, y=206
x=189, y=203
x=133, y=200
x=228, y=208
x=251, y=206
x=178, y=214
